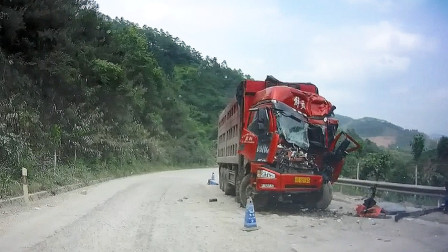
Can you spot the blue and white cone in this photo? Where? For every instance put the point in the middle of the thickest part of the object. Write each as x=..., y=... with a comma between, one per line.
x=212, y=180
x=250, y=222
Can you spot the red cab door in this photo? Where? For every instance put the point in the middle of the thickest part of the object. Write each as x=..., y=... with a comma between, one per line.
x=258, y=141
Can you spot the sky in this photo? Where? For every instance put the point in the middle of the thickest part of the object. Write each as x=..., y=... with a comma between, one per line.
x=370, y=58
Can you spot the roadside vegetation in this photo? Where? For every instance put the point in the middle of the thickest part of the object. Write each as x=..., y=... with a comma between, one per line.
x=398, y=166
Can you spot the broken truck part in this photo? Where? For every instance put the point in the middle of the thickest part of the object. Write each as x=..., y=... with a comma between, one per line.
x=279, y=141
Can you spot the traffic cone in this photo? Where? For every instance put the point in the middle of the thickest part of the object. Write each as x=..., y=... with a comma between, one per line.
x=212, y=181
x=250, y=222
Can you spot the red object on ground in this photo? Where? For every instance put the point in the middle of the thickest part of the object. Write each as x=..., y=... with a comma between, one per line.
x=373, y=212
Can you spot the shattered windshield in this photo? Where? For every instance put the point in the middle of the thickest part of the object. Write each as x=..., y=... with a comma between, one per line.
x=293, y=127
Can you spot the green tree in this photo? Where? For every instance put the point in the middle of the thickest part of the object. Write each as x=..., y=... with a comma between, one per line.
x=399, y=172
x=376, y=166
x=442, y=158
x=442, y=148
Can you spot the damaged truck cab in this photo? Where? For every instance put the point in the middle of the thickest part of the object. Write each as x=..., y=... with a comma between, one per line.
x=278, y=141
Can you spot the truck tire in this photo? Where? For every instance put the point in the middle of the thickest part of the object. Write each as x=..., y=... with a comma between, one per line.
x=326, y=195
x=247, y=190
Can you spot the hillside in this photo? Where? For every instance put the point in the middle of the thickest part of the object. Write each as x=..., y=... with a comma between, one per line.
x=382, y=132
x=79, y=89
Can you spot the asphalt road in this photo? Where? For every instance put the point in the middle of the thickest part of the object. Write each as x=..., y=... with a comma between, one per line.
x=170, y=211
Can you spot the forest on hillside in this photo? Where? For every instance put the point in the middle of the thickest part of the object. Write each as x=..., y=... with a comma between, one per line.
x=81, y=90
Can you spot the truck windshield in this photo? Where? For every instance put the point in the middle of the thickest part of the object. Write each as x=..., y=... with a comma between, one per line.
x=293, y=127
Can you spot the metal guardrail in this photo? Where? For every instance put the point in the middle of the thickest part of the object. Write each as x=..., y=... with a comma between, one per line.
x=395, y=187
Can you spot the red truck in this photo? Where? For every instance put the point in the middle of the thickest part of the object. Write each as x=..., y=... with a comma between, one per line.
x=278, y=141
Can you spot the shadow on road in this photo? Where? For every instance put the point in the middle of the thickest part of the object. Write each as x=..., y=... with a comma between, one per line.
x=294, y=209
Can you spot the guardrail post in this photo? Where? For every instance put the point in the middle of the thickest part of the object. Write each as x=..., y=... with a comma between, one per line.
x=415, y=174
x=25, y=185
x=357, y=172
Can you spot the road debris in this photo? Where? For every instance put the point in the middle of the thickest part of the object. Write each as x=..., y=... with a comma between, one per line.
x=369, y=208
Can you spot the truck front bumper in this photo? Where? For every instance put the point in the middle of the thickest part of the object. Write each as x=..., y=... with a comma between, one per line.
x=285, y=182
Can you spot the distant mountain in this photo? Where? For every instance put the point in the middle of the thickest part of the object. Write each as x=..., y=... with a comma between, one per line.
x=382, y=132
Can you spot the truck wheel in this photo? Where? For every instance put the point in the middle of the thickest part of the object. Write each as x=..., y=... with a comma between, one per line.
x=325, y=196
x=247, y=190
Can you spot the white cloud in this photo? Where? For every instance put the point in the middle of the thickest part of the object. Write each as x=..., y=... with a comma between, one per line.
x=357, y=53
x=384, y=37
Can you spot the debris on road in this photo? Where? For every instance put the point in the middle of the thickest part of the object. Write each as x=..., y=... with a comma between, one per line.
x=369, y=208
x=213, y=200
x=84, y=192
x=371, y=212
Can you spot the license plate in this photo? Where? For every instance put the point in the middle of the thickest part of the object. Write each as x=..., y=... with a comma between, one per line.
x=302, y=180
